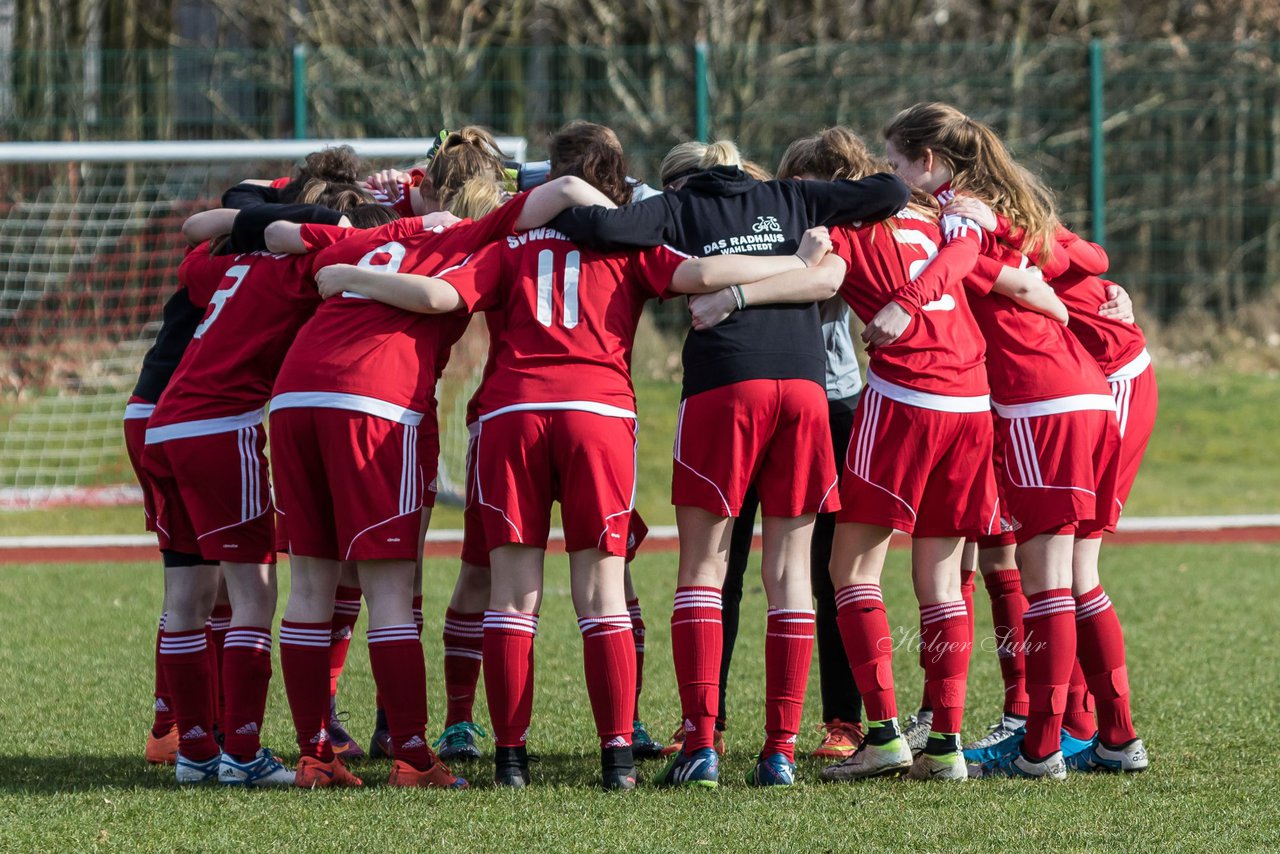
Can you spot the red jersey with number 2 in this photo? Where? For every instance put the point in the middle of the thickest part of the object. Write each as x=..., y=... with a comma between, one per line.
x=569, y=320
x=942, y=351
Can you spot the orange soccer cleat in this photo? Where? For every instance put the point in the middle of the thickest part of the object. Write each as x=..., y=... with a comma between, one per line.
x=839, y=740
x=438, y=776
x=314, y=774
x=677, y=742
x=163, y=750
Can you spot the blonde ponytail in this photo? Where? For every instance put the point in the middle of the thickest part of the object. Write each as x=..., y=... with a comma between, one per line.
x=695, y=156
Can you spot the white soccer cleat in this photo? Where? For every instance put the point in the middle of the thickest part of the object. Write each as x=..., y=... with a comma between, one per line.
x=1016, y=765
x=1129, y=759
x=917, y=731
x=189, y=772
x=871, y=760
x=945, y=766
x=263, y=771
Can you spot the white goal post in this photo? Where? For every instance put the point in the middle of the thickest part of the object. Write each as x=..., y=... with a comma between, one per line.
x=89, y=248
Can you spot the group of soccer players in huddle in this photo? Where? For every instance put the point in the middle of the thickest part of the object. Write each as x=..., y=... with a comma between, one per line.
x=1007, y=404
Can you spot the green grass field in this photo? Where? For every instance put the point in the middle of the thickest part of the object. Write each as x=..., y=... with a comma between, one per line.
x=1201, y=624
x=1209, y=454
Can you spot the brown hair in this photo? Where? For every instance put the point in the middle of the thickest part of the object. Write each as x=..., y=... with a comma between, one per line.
x=477, y=197
x=372, y=215
x=593, y=153
x=831, y=154
x=338, y=197
x=981, y=166
x=688, y=157
x=464, y=154
x=837, y=153
x=338, y=164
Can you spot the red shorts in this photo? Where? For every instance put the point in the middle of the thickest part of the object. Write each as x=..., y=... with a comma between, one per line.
x=1137, y=400
x=525, y=460
x=943, y=488
x=213, y=495
x=1060, y=469
x=351, y=486
x=473, y=542
x=773, y=433
x=1004, y=534
x=135, y=439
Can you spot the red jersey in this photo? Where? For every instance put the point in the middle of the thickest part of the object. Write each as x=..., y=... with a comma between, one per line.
x=225, y=377
x=364, y=355
x=938, y=361
x=1074, y=273
x=569, y=320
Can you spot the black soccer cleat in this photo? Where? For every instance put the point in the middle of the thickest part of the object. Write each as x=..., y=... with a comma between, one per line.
x=617, y=768
x=511, y=767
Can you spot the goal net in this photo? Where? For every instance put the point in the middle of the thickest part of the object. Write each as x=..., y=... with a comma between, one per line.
x=89, y=249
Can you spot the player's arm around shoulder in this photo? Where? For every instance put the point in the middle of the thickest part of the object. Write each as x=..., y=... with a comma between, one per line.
x=407, y=291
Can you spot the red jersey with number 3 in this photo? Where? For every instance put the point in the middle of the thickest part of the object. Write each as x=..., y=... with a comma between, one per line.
x=259, y=306
x=569, y=320
x=942, y=351
x=357, y=348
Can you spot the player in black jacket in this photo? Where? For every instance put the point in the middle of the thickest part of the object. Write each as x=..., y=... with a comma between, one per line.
x=754, y=410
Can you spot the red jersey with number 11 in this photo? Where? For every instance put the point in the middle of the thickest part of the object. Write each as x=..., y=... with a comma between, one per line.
x=569, y=320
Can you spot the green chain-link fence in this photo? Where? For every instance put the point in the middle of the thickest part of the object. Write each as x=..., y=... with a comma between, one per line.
x=1177, y=144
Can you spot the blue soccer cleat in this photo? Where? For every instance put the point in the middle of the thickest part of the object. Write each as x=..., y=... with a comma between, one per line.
x=458, y=741
x=187, y=771
x=1001, y=739
x=262, y=771
x=1076, y=751
x=700, y=768
x=772, y=770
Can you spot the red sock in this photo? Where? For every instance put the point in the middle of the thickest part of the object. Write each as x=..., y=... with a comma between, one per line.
x=395, y=656
x=163, y=720
x=967, y=586
x=608, y=659
x=417, y=613
x=1007, y=607
x=1101, y=651
x=864, y=628
x=463, y=652
x=346, y=610
x=637, y=638
x=697, y=642
x=1050, y=625
x=946, y=643
x=925, y=703
x=185, y=659
x=508, y=674
x=219, y=625
x=304, y=661
x=246, y=673
x=788, y=649
x=1078, y=719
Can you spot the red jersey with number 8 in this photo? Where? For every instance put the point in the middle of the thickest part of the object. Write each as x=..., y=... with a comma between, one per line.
x=358, y=353
x=569, y=320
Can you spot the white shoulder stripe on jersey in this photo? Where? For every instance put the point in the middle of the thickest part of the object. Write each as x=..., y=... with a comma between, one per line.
x=203, y=427
x=352, y=402
x=138, y=410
